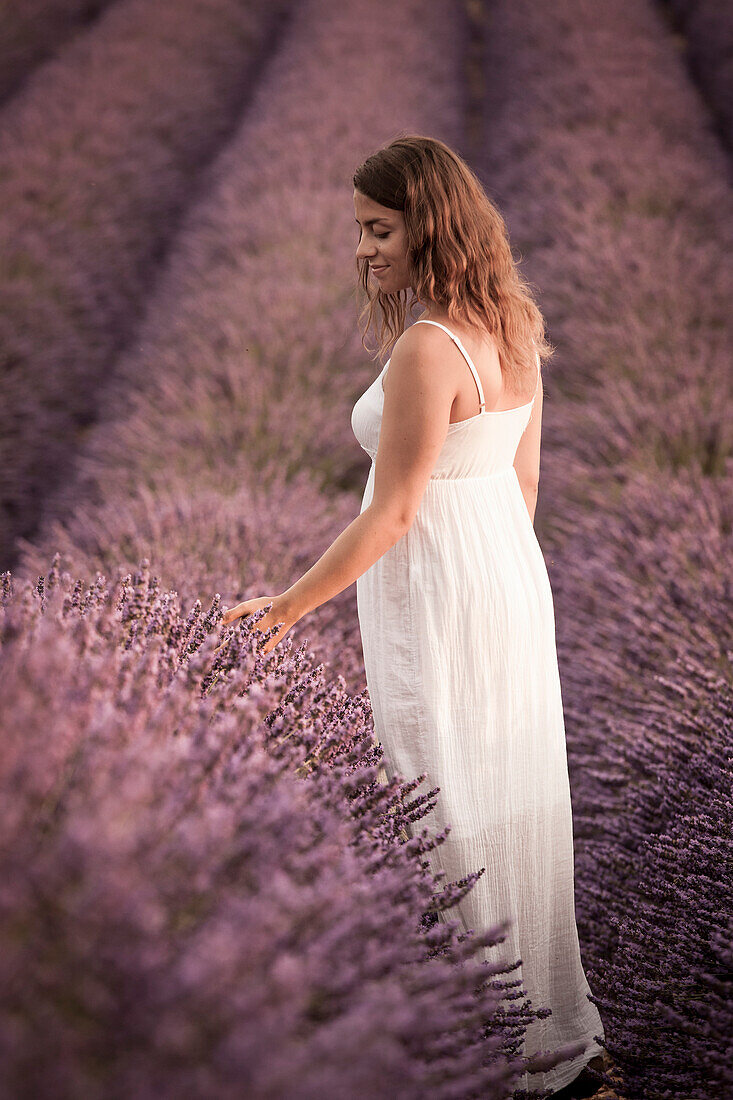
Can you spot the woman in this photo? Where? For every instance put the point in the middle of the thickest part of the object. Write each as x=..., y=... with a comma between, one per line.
x=453, y=595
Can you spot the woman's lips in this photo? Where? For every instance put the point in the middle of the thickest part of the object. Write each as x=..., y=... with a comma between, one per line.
x=379, y=270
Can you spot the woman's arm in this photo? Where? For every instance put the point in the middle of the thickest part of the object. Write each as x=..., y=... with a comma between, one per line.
x=356, y=549
x=415, y=417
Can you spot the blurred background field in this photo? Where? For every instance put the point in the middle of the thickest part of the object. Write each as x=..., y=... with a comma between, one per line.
x=205, y=883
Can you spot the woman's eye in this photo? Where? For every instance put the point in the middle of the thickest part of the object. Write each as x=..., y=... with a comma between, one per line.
x=379, y=236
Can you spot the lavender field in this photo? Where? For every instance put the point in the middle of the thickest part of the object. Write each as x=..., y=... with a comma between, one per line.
x=207, y=885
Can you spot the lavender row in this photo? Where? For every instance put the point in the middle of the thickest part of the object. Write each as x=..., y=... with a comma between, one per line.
x=204, y=888
x=34, y=30
x=615, y=193
x=650, y=716
x=101, y=152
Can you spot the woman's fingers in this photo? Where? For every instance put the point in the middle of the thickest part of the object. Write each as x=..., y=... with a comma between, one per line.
x=247, y=607
x=276, y=616
x=232, y=613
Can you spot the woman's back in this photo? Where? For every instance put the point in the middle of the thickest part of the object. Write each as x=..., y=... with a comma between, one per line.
x=484, y=354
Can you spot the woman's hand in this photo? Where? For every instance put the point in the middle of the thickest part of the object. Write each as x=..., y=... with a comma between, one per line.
x=281, y=612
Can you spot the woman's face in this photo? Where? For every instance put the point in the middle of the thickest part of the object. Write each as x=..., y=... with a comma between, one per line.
x=383, y=242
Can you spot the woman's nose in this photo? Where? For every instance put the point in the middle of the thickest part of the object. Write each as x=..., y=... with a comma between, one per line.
x=363, y=250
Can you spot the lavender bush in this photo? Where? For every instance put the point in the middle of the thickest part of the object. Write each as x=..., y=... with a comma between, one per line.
x=655, y=765
x=204, y=890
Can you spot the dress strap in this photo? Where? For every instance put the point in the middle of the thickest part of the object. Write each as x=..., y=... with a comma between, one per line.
x=466, y=356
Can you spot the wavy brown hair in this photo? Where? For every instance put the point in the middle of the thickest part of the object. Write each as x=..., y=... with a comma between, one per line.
x=458, y=252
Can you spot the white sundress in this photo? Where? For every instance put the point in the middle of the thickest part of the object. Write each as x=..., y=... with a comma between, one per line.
x=458, y=634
